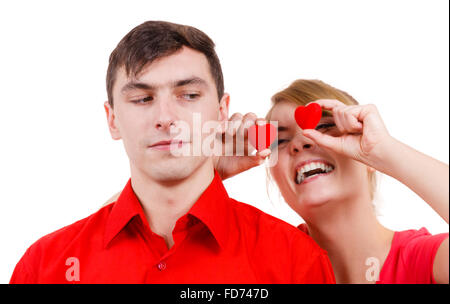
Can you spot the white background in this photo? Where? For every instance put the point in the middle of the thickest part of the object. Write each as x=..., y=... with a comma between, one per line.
x=58, y=163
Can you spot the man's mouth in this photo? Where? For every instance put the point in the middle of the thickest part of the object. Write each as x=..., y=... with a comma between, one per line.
x=166, y=145
x=312, y=169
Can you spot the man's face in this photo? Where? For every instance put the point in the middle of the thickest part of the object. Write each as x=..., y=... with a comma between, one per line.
x=150, y=109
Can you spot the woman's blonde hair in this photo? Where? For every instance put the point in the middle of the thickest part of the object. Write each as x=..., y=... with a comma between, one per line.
x=303, y=91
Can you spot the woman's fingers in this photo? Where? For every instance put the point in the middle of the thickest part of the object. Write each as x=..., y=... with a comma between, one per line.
x=346, y=117
x=341, y=114
x=237, y=132
x=339, y=119
x=264, y=153
x=361, y=129
x=257, y=159
x=327, y=141
x=234, y=123
x=328, y=104
x=353, y=124
x=248, y=120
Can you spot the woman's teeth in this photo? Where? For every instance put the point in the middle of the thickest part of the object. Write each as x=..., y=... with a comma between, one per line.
x=312, y=169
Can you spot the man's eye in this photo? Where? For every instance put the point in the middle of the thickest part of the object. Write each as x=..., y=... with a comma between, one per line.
x=142, y=100
x=190, y=97
x=325, y=126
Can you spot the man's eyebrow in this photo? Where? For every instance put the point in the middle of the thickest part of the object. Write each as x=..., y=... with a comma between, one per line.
x=281, y=128
x=192, y=80
x=132, y=85
x=136, y=85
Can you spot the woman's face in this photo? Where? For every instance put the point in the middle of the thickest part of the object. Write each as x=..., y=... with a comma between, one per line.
x=308, y=175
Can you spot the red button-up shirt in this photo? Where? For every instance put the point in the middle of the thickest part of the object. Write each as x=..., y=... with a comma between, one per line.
x=219, y=240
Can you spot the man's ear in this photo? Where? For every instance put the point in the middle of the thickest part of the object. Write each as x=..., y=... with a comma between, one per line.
x=111, y=118
x=223, y=111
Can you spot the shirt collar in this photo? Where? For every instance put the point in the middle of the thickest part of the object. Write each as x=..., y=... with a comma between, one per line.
x=125, y=208
x=211, y=209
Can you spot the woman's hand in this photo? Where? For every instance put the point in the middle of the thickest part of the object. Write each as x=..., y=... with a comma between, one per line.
x=363, y=137
x=232, y=161
x=361, y=134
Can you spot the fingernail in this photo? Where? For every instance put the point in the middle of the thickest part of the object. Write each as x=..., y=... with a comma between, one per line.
x=265, y=152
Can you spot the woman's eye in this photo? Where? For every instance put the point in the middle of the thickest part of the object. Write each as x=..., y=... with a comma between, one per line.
x=325, y=126
x=142, y=100
x=278, y=142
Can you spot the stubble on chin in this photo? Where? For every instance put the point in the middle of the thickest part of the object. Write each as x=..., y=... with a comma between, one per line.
x=175, y=170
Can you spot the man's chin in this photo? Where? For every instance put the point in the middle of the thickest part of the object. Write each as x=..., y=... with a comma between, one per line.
x=172, y=176
x=175, y=171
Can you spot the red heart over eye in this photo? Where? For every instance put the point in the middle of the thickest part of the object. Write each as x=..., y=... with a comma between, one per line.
x=308, y=117
x=262, y=136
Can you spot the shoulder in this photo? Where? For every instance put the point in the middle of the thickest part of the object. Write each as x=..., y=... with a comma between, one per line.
x=272, y=228
x=413, y=240
x=63, y=236
x=55, y=243
x=249, y=215
x=410, y=259
x=54, y=248
x=282, y=250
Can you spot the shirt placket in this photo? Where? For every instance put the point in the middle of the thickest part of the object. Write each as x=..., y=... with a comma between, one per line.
x=179, y=235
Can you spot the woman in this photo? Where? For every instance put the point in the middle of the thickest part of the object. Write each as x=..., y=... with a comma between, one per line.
x=327, y=176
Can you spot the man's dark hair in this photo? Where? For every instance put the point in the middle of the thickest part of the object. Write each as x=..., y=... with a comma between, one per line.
x=156, y=39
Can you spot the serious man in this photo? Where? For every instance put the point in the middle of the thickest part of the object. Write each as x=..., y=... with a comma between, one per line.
x=173, y=221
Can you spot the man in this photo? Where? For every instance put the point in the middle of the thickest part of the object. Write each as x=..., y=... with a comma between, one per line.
x=173, y=222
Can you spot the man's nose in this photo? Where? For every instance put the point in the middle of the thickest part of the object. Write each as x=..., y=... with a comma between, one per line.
x=300, y=143
x=166, y=116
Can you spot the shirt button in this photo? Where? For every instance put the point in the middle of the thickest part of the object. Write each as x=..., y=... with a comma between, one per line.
x=162, y=266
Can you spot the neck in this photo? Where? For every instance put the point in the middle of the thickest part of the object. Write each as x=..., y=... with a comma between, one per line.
x=164, y=203
x=354, y=239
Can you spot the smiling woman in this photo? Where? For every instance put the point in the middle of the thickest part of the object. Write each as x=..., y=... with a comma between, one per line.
x=302, y=92
x=327, y=176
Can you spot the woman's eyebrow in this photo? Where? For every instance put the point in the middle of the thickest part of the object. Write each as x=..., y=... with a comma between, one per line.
x=326, y=113
x=282, y=128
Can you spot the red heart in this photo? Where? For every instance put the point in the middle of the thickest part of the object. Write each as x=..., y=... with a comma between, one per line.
x=262, y=136
x=308, y=117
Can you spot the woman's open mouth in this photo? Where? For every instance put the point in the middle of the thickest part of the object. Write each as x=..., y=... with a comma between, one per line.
x=311, y=170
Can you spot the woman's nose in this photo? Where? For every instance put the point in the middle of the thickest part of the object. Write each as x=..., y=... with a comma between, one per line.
x=301, y=143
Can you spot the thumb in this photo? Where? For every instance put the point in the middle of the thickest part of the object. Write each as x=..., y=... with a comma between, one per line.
x=262, y=155
x=240, y=164
x=250, y=161
x=326, y=141
x=255, y=160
